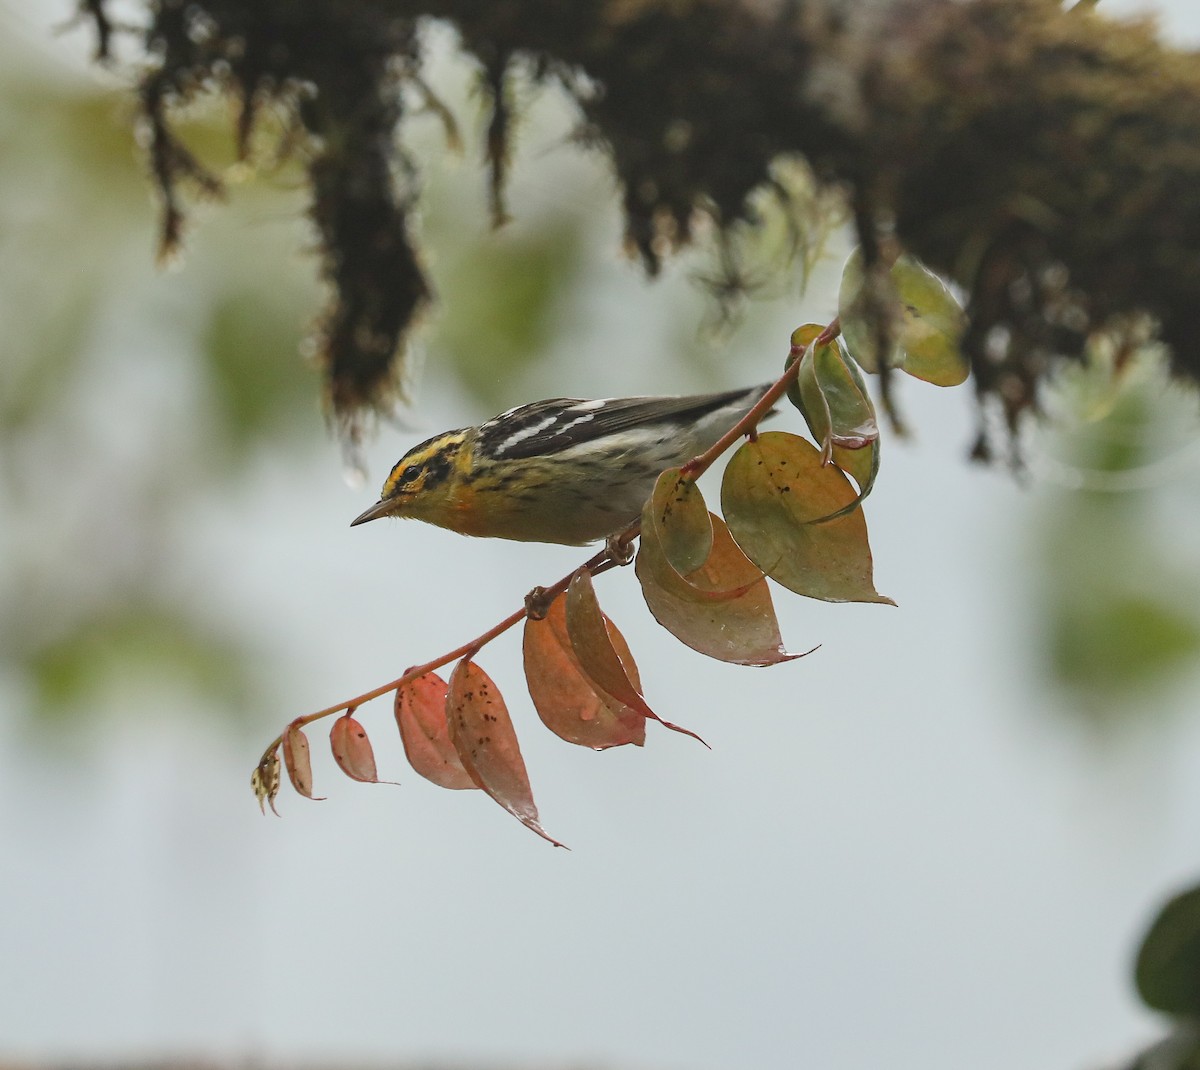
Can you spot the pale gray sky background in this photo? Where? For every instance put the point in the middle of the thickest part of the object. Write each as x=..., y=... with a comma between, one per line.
x=895, y=854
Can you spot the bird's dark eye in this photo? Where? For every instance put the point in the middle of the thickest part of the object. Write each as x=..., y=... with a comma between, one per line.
x=410, y=473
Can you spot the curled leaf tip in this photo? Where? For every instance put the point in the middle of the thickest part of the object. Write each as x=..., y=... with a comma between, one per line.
x=683, y=731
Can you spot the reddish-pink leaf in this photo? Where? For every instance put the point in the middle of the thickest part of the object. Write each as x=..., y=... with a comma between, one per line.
x=421, y=717
x=591, y=634
x=352, y=750
x=297, y=762
x=565, y=697
x=741, y=629
x=482, y=733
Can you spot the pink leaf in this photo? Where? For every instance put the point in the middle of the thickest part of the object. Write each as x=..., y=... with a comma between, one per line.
x=421, y=717
x=297, y=761
x=352, y=750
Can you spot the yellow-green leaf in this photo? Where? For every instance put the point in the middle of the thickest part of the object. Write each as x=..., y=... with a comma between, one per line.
x=931, y=326
x=856, y=312
x=782, y=506
x=679, y=518
x=927, y=327
x=802, y=338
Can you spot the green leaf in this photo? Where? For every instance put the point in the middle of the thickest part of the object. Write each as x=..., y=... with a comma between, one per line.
x=928, y=322
x=830, y=393
x=852, y=421
x=932, y=325
x=860, y=465
x=787, y=512
x=679, y=520
x=1168, y=965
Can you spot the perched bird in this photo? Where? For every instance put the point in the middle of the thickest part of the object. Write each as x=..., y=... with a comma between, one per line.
x=561, y=470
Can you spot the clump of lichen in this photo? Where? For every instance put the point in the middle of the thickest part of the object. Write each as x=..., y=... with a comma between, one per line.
x=1046, y=160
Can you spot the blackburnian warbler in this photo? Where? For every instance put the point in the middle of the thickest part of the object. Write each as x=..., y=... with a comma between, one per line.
x=561, y=470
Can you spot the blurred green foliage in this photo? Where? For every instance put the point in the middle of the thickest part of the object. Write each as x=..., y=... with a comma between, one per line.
x=496, y=332
x=90, y=322
x=148, y=641
x=1119, y=595
x=249, y=343
x=88, y=600
x=1168, y=963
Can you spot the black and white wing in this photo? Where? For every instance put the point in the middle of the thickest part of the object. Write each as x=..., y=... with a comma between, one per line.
x=548, y=427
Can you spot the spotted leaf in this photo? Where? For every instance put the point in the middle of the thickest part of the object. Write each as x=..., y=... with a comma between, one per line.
x=420, y=709
x=482, y=733
x=787, y=513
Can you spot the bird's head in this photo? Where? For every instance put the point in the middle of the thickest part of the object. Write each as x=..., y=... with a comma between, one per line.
x=420, y=483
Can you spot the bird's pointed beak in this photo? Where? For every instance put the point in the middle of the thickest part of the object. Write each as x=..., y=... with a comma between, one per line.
x=380, y=508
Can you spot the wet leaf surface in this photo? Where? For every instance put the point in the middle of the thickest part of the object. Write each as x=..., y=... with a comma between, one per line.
x=590, y=632
x=566, y=699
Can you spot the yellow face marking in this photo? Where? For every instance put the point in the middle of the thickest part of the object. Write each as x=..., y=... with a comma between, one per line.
x=425, y=470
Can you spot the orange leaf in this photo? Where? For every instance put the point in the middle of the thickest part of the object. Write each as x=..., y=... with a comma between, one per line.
x=352, y=750
x=565, y=697
x=420, y=709
x=482, y=733
x=741, y=629
x=787, y=512
x=297, y=762
x=591, y=634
